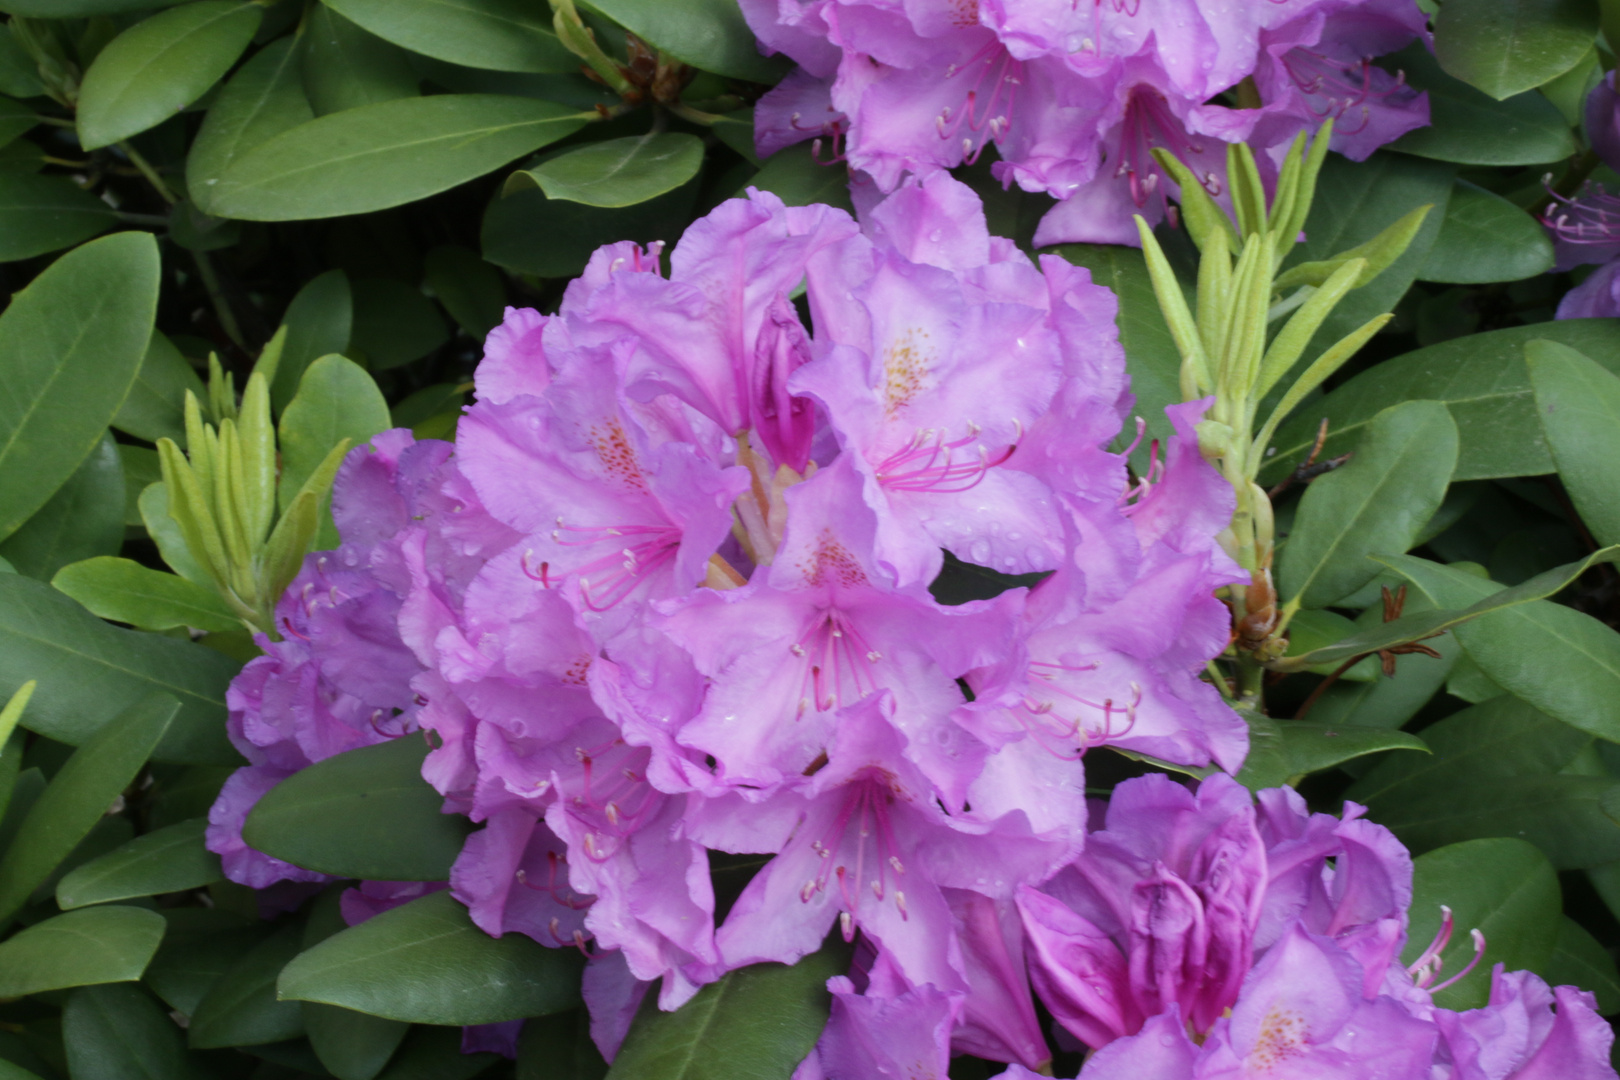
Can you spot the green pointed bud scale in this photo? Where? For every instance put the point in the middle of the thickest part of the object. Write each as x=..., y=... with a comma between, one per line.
x=1288, y=229
x=1296, y=334
x=257, y=436
x=1324, y=366
x=1195, y=370
x=1214, y=439
x=1248, y=192
x=189, y=509
x=284, y=553
x=197, y=441
x=1202, y=215
x=221, y=391
x=269, y=361
x=1378, y=253
x=1214, y=287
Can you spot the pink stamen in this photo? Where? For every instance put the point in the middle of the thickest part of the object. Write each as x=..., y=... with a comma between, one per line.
x=1056, y=734
x=866, y=807
x=1479, y=951
x=838, y=663
x=929, y=463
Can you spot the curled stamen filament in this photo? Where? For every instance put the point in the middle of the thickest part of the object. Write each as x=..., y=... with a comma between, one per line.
x=1057, y=734
x=866, y=809
x=837, y=663
x=929, y=463
x=607, y=580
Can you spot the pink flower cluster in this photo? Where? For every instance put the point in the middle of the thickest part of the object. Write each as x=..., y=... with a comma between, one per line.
x=667, y=600
x=1074, y=96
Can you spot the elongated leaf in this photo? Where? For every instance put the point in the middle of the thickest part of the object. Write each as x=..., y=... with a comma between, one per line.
x=394, y=323
x=1469, y=128
x=159, y=66
x=46, y=213
x=1503, y=887
x=1481, y=378
x=618, y=172
x=200, y=946
x=79, y=795
x=15, y=119
x=364, y=813
x=385, y=154
x=155, y=407
x=119, y=1032
x=1377, y=504
x=708, y=34
x=531, y=234
x=1578, y=401
x=89, y=672
x=1485, y=238
x=352, y=1045
x=1282, y=751
x=318, y=321
x=1579, y=959
x=559, y=1047
x=125, y=591
x=767, y=1016
x=1318, y=628
x=167, y=860
x=434, y=1053
x=72, y=9
x=346, y=67
x=240, y=1008
x=153, y=505
x=264, y=99
x=84, y=519
x=71, y=344
x=425, y=962
x=470, y=289
x=502, y=35
x=81, y=948
x=336, y=400
x=1562, y=661
x=1505, y=47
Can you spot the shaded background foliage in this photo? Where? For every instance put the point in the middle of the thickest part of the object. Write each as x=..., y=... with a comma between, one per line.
x=379, y=179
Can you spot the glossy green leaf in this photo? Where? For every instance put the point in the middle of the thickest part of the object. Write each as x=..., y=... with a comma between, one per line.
x=767, y=1016
x=1579, y=959
x=167, y=860
x=1505, y=47
x=1578, y=402
x=46, y=213
x=160, y=65
x=471, y=290
x=1376, y=504
x=364, y=813
x=153, y=505
x=200, y=946
x=1283, y=751
x=261, y=101
x=80, y=948
x=707, y=34
x=798, y=179
x=1470, y=128
x=384, y=155
x=394, y=323
x=72, y=9
x=1481, y=378
x=425, y=962
x=528, y=233
x=79, y=795
x=1313, y=629
x=1483, y=239
x=346, y=67
x=352, y=1045
x=119, y=1032
x=125, y=591
x=84, y=519
x=1502, y=887
x=1389, y=702
x=89, y=672
x=336, y=400
x=71, y=344
x=618, y=172
x=1562, y=661
x=241, y=1008
x=19, y=74
x=502, y=35
x=155, y=407
x=319, y=322
x=1493, y=771
x=1569, y=90
x=434, y=1053
x=1150, y=353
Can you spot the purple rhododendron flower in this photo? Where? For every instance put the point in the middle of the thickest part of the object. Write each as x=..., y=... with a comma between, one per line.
x=1586, y=228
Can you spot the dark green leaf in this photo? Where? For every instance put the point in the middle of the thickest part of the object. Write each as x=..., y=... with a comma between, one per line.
x=156, y=404
x=72, y=9
x=336, y=400
x=1469, y=128
x=70, y=344
x=89, y=672
x=1505, y=47
x=1282, y=751
x=153, y=505
x=241, y=1008
x=364, y=813
x=85, y=518
x=352, y=1045
x=46, y=213
x=140, y=469
x=471, y=290
x=767, y=1016
x=346, y=67
x=1502, y=887
x=1578, y=959
x=1316, y=628
x=1485, y=238
x=1390, y=702
x=159, y=66
x=528, y=233
x=384, y=155
x=25, y=792
x=264, y=99
x=434, y=1053
x=1481, y=378
x=81, y=948
x=798, y=179
x=117, y=1032
x=394, y=323
x=502, y=35
x=79, y=795
x=426, y=962
x=618, y=172
x=167, y=860
x=201, y=945
x=1578, y=401
x=125, y=591
x=15, y=119
x=319, y=321
x=19, y=74
x=708, y=34
x=559, y=1047
x=1376, y=504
